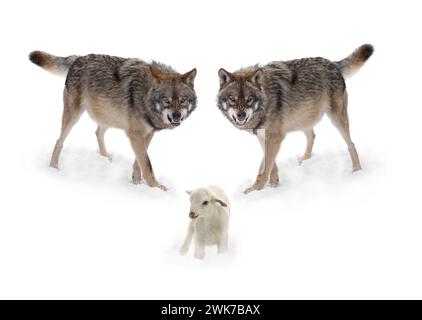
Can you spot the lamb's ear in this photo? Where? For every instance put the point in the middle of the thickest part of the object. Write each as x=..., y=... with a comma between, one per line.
x=256, y=77
x=189, y=77
x=225, y=77
x=188, y=192
x=222, y=203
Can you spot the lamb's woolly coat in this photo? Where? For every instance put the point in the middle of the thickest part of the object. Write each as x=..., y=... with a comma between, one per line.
x=210, y=214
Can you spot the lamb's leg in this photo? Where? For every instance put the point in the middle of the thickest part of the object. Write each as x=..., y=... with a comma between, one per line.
x=199, y=249
x=222, y=245
x=186, y=244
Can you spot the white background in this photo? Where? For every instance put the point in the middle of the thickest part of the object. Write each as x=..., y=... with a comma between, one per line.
x=85, y=231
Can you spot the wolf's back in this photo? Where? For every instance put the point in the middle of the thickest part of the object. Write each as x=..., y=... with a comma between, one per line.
x=351, y=64
x=53, y=64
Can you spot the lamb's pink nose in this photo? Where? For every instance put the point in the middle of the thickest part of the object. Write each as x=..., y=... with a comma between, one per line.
x=193, y=215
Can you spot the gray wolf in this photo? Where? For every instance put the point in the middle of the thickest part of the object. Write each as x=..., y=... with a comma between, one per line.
x=285, y=96
x=138, y=97
x=210, y=213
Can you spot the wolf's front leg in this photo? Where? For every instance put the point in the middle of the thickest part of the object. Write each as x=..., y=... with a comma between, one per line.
x=274, y=172
x=272, y=146
x=137, y=173
x=139, y=147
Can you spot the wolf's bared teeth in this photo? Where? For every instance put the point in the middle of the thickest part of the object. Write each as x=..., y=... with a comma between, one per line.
x=240, y=123
x=175, y=123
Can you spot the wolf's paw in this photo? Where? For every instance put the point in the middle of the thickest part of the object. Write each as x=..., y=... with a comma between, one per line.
x=153, y=183
x=357, y=168
x=249, y=190
x=136, y=179
x=274, y=181
x=274, y=184
x=302, y=159
x=259, y=184
x=54, y=165
x=252, y=188
x=162, y=187
x=106, y=155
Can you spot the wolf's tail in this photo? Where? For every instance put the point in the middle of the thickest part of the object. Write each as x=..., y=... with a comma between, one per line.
x=350, y=65
x=53, y=64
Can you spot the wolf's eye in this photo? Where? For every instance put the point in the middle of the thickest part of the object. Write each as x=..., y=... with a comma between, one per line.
x=183, y=99
x=249, y=100
x=204, y=203
x=166, y=101
x=232, y=100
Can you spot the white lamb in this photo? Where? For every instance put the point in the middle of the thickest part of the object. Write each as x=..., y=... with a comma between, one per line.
x=210, y=213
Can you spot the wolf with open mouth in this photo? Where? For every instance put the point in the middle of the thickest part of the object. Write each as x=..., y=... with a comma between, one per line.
x=285, y=96
x=138, y=97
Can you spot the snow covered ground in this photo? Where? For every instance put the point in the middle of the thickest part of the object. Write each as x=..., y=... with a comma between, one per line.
x=85, y=231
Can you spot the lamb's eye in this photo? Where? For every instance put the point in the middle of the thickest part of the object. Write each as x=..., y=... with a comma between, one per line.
x=204, y=203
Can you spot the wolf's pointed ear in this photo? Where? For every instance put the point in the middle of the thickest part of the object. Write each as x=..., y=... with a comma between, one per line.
x=189, y=77
x=156, y=72
x=225, y=77
x=221, y=202
x=256, y=77
x=188, y=192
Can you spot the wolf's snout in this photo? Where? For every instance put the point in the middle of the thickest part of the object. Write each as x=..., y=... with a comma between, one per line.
x=193, y=215
x=241, y=115
x=176, y=116
x=240, y=118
